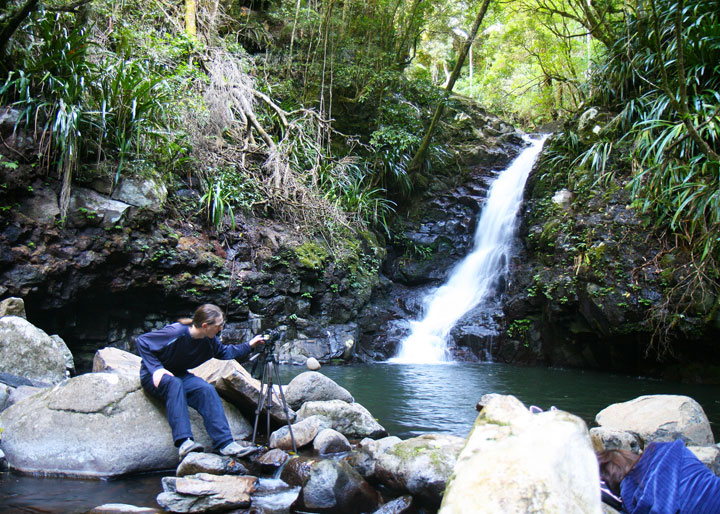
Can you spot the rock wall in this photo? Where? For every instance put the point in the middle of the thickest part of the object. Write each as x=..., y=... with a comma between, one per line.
x=593, y=287
x=133, y=258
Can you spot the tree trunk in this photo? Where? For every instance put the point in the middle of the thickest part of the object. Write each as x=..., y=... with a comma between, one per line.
x=415, y=163
x=190, y=13
x=8, y=28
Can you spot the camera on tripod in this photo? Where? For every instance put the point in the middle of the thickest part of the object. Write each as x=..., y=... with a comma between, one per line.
x=271, y=337
x=269, y=382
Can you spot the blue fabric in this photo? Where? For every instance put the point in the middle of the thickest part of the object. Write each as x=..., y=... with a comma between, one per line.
x=178, y=393
x=670, y=479
x=175, y=350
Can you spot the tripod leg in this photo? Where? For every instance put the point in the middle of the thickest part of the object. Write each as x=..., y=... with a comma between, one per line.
x=261, y=400
x=285, y=408
x=269, y=398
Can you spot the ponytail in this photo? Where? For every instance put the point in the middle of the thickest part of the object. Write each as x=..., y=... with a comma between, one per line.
x=207, y=313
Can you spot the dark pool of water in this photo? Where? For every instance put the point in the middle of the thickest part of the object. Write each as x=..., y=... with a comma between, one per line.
x=407, y=399
x=412, y=399
x=22, y=494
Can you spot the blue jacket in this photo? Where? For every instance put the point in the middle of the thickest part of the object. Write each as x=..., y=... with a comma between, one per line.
x=670, y=479
x=174, y=349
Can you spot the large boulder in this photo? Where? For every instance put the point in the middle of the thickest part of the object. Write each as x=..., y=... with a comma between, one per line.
x=329, y=486
x=28, y=351
x=314, y=386
x=610, y=439
x=420, y=466
x=659, y=418
x=237, y=386
x=517, y=462
x=350, y=419
x=97, y=425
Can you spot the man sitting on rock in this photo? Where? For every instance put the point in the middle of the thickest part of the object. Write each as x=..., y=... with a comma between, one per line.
x=168, y=353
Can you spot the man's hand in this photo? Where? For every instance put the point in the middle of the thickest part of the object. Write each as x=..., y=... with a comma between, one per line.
x=258, y=339
x=158, y=374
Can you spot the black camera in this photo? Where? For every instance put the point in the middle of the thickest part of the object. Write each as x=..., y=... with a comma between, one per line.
x=271, y=336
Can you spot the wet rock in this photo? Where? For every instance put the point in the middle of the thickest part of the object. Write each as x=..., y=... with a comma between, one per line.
x=658, y=418
x=28, y=351
x=122, y=508
x=206, y=493
x=314, y=386
x=114, y=360
x=3, y=461
x=609, y=439
x=272, y=496
x=238, y=387
x=350, y=419
x=329, y=441
x=273, y=459
x=109, y=427
x=364, y=458
x=518, y=462
x=420, y=466
x=304, y=431
x=402, y=505
x=333, y=487
x=197, y=462
x=13, y=307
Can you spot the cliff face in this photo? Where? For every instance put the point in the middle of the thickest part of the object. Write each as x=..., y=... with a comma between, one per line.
x=593, y=286
x=126, y=263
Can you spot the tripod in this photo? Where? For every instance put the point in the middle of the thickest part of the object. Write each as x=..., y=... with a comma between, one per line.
x=270, y=377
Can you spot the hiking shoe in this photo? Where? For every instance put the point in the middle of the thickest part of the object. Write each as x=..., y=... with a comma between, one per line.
x=188, y=446
x=235, y=450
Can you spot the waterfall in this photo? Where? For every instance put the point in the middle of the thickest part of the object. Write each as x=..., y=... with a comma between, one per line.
x=476, y=276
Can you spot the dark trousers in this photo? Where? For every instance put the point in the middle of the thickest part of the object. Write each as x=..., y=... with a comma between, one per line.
x=178, y=393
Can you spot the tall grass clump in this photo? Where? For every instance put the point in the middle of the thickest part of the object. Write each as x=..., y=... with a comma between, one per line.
x=84, y=107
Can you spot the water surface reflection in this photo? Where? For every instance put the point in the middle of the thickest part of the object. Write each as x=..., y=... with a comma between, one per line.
x=407, y=399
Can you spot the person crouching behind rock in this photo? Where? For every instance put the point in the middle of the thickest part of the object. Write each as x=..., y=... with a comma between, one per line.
x=666, y=479
x=168, y=353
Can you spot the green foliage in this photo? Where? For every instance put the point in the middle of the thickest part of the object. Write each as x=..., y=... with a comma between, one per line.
x=670, y=117
x=51, y=89
x=520, y=329
x=84, y=109
x=132, y=99
x=226, y=189
x=311, y=256
x=526, y=65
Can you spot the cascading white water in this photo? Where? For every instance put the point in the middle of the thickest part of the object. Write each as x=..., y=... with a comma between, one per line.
x=476, y=276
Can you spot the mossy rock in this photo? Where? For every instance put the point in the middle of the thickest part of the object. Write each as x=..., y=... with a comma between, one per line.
x=311, y=255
